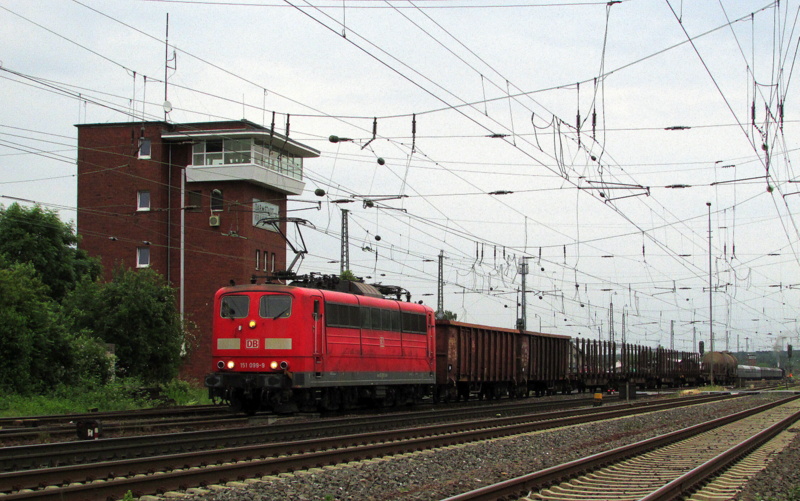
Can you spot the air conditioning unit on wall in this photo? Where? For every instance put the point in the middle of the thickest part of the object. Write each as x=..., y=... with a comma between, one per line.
x=213, y=221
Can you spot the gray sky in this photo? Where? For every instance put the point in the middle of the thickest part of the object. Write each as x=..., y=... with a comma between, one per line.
x=616, y=213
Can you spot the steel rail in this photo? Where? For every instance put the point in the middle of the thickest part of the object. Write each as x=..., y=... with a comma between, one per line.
x=34, y=421
x=65, y=453
x=109, y=429
x=353, y=447
x=698, y=476
x=519, y=487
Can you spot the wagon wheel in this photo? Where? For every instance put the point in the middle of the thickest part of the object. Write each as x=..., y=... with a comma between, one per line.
x=331, y=400
x=349, y=398
x=390, y=400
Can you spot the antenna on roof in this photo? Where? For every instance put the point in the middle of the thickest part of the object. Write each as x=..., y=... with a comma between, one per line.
x=167, y=105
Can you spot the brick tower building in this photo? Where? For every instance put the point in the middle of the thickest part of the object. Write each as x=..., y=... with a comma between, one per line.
x=196, y=202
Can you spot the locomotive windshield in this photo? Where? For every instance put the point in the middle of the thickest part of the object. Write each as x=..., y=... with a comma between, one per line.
x=234, y=306
x=275, y=306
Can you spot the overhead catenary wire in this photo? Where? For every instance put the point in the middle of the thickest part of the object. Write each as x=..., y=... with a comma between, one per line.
x=649, y=253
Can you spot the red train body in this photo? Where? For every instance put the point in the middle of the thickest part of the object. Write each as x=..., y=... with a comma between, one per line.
x=286, y=348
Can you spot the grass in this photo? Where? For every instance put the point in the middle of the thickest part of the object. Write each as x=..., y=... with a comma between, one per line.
x=792, y=495
x=118, y=395
x=712, y=388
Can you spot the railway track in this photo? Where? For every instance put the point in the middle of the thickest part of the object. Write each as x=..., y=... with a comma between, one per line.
x=77, y=452
x=69, y=431
x=7, y=423
x=184, y=470
x=663, y=468
x=58, y=428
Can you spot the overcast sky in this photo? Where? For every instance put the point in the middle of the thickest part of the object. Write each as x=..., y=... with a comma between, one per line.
x=586, y=136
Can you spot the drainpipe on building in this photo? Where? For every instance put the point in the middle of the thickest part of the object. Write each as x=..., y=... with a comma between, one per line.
x=169, y=216
x=183, y=243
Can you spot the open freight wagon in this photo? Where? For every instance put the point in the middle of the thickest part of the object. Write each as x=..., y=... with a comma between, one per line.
x=490, y=362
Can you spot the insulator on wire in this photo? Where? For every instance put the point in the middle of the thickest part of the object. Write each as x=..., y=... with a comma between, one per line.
x=413, y=133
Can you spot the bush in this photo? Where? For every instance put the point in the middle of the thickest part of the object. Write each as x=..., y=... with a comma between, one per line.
x=63, y=399
x=136, y=313
x=183, y=393
x=35, y=349
x=117, y=395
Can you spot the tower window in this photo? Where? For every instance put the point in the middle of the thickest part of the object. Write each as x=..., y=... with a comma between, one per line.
x=142, y=257
x=194, y=201
x=216, y=200
x=144, y=148
x=143, y=200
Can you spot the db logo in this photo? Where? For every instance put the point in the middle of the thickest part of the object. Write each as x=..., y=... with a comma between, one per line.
x=251, y=343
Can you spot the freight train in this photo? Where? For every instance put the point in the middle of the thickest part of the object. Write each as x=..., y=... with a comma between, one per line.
x=321, y=343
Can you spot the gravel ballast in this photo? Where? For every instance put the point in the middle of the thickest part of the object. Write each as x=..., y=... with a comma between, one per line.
x=434, y=475
x=780, y=481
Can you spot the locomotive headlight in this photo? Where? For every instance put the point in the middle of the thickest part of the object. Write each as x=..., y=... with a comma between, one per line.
x=273, y=365
x=252, y=324
x=230, y=364
x=284, y=365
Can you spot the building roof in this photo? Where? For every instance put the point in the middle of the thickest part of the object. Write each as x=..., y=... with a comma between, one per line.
x=223, y=129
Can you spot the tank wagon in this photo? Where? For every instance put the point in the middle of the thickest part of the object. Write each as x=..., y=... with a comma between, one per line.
x=721, y=367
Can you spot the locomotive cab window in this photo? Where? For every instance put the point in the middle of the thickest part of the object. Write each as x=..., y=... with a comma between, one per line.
x=234, y=306
x=275, y=306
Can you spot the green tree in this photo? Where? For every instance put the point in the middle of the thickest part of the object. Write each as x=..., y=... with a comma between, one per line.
x=349, y=275
x=449, y=315
x=29, y=331
x=37, y=353
x=136, y=313
x=37, y=236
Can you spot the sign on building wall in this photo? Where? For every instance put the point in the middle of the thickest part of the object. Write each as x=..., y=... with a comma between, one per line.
x=263, y=212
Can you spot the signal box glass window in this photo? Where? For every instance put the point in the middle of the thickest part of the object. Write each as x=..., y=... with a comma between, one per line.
x=142, y=257
x=207, y=153
x=275, y=306
x=246, y=151
x=143, y=200
x=234, y=306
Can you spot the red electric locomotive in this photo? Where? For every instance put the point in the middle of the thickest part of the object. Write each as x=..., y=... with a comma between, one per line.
x=286, y=348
